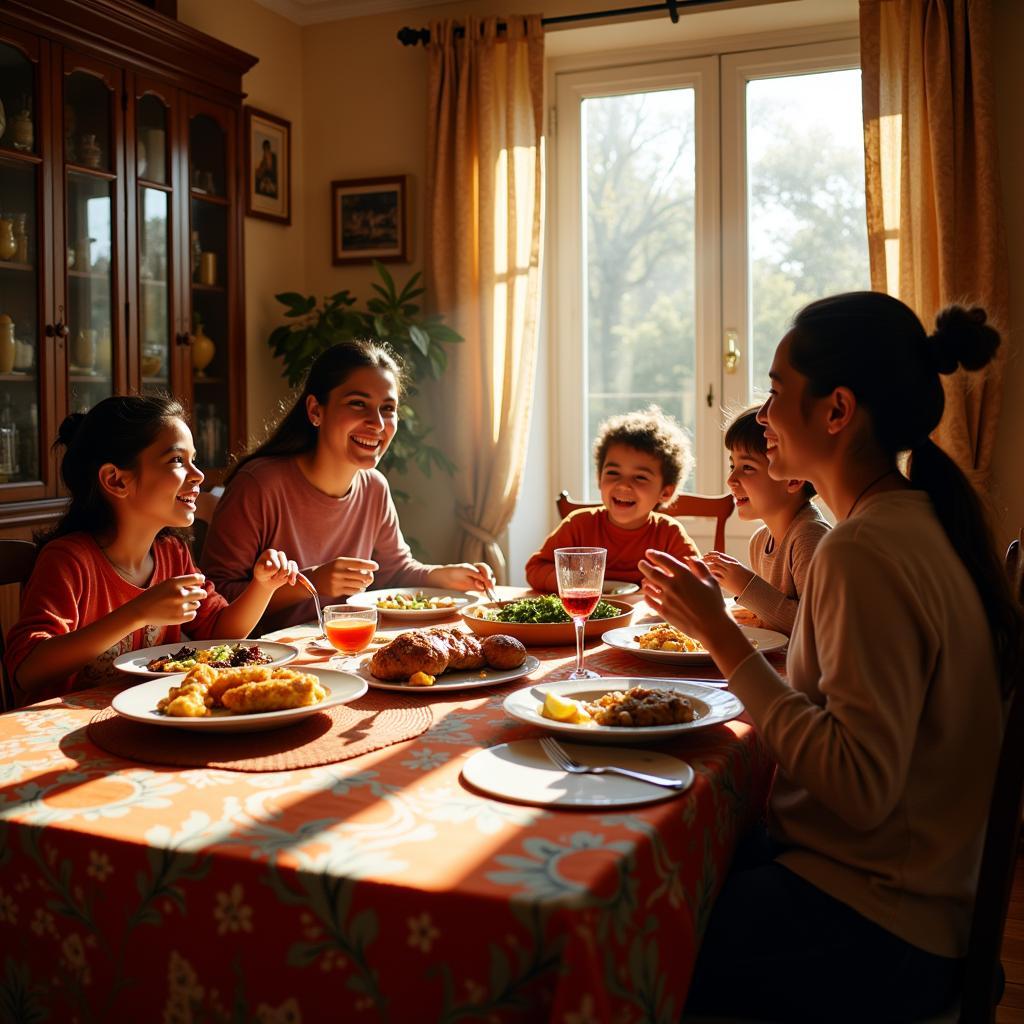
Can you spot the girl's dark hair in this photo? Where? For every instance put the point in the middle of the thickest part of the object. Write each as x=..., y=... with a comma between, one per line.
x=294, y=434
x=115, y=430
x=877, y=347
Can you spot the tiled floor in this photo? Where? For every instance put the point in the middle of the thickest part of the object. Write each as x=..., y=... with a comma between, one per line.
x=1011, y=1009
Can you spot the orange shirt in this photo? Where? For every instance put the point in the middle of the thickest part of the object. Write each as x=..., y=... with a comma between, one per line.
x=73, y=584
x=592, y=527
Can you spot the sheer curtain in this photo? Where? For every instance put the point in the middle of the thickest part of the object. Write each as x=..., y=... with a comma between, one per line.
x=485, y=189
x=935, y=230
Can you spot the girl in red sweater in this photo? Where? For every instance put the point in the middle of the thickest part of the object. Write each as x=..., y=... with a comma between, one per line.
x=115, y=575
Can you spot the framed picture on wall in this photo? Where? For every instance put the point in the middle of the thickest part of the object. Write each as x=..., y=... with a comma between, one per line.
x=369, y=219
x=268, y=161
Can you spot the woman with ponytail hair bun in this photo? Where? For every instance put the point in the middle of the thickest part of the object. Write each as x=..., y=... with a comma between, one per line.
x=859, y=895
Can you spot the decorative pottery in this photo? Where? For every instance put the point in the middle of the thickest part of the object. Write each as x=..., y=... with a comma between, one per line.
x=8, y=243
x=22, y=130
x=203, y=350
x=8, y=346
x=208, y=268
x=85, y=349
x=21, y=237
x=89, y=152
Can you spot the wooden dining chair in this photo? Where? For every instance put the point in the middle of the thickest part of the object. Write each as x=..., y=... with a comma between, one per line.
x=16, y=560
x=703, y=506
x=206, y=505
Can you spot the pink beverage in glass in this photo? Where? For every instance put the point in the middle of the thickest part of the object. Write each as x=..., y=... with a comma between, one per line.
x=580, y=574
x=579, y=603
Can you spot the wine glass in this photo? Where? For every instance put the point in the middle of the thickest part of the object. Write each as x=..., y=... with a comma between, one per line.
x=349, y=630
x=580, y=573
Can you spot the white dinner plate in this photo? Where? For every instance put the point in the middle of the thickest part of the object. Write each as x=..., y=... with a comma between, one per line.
x=467, y=680
x=139, y=704
x=713, y=706
x=136, y=661
x=619, y=588
x=369, y=599
x=624, y=639
x=522, y=772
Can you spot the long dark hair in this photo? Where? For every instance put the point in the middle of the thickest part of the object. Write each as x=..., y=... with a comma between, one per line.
x=115, y=430
x=294, y=434
x=877, y=347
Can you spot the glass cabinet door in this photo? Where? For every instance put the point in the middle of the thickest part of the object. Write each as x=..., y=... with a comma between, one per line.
x=211, y=171
x=90, y=164
x=154, y=211
x=21, y=262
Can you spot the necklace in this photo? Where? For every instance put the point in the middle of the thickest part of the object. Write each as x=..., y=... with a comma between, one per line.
x=123, y=573
x=857, y=500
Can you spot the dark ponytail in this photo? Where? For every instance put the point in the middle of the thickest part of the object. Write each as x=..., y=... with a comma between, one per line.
x=876, y=346
x=294, y=434
x=115, y=430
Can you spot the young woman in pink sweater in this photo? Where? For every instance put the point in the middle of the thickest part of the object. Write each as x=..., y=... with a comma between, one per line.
x=857, y=905
x=313, y=485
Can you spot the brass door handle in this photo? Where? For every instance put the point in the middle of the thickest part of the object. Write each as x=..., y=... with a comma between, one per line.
x=732, y=354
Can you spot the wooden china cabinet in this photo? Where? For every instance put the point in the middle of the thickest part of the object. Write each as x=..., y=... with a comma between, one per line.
x=121, y=217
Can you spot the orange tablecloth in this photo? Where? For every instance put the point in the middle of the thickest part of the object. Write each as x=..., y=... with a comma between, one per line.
x=377, y=889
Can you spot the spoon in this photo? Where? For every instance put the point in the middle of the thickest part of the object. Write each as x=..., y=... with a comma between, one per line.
x=305, y=581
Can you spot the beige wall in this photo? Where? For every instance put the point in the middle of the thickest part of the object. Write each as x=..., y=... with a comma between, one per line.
x=275, y=255
x=356, y=100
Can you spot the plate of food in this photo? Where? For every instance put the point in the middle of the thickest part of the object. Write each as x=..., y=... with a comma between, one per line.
x=181, y=657
x=623, y=709
x=542, y=621
x=618, y=588
x=412, y=604
x=446, y=659
x=661, y=642
x=249, y=699
x=520, y=771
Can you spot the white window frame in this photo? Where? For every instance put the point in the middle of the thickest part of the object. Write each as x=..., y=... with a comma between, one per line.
x=722, y=300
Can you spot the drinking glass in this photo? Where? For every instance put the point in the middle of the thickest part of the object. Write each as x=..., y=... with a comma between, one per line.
x=580, y=573
x=350, y=631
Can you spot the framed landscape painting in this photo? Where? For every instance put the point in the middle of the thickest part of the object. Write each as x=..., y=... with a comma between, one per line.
x=268, y=160
x=369, y=219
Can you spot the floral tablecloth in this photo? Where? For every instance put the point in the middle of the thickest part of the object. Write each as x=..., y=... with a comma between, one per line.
x=377, y=889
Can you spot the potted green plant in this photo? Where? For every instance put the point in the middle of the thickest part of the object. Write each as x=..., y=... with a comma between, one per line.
x=391, y=316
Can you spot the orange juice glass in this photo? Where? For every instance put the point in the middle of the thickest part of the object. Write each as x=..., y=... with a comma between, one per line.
x=349, y=630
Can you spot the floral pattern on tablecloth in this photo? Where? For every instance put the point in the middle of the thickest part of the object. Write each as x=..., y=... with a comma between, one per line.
x=377, y=889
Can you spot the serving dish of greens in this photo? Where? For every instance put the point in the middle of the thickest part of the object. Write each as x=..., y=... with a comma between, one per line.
x=542, y=621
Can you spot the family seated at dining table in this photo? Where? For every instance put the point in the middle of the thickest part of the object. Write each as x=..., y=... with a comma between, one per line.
x=905, y=636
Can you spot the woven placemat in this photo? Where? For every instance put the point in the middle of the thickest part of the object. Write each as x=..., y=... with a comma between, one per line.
x=335, y=734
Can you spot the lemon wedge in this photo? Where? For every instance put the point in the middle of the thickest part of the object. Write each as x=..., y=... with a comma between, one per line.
x=563, y=709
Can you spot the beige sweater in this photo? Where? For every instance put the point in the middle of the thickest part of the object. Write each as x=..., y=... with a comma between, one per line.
x=888, y=733
x=773, y=595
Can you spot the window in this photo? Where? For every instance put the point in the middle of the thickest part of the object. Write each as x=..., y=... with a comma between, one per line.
x=699, y=204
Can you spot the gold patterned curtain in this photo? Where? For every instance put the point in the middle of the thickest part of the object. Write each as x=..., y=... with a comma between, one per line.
x=935, y=232
x=485, y=192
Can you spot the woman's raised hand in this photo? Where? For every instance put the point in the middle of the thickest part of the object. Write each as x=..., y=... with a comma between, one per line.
x=274, y=569
x=172, y=601
x=462, y=576
x=343, y=576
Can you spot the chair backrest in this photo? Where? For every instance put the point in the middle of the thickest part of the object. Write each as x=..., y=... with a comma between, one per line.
x=982, y=985
x=718, y=507
x=206, y=505
x=16, y=560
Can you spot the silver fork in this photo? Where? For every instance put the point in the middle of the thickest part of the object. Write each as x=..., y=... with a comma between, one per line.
x=308, y=584
x=561, y=759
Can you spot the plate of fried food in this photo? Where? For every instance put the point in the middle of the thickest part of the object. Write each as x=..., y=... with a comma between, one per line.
x=542, y=621
x=181, y=657
x=623, y=709
x=412, y=604
x=246, y=699
x=446, y=659
x=661, y=642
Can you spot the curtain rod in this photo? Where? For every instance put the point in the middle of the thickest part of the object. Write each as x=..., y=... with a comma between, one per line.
x=412, y=36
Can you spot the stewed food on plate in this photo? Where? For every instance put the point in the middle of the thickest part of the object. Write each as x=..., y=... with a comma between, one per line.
x=219, y=656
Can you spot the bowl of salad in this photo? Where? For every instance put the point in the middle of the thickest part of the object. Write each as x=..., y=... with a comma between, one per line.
x=542, y=621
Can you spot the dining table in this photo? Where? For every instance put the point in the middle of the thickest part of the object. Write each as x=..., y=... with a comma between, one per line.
x=381, y=887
